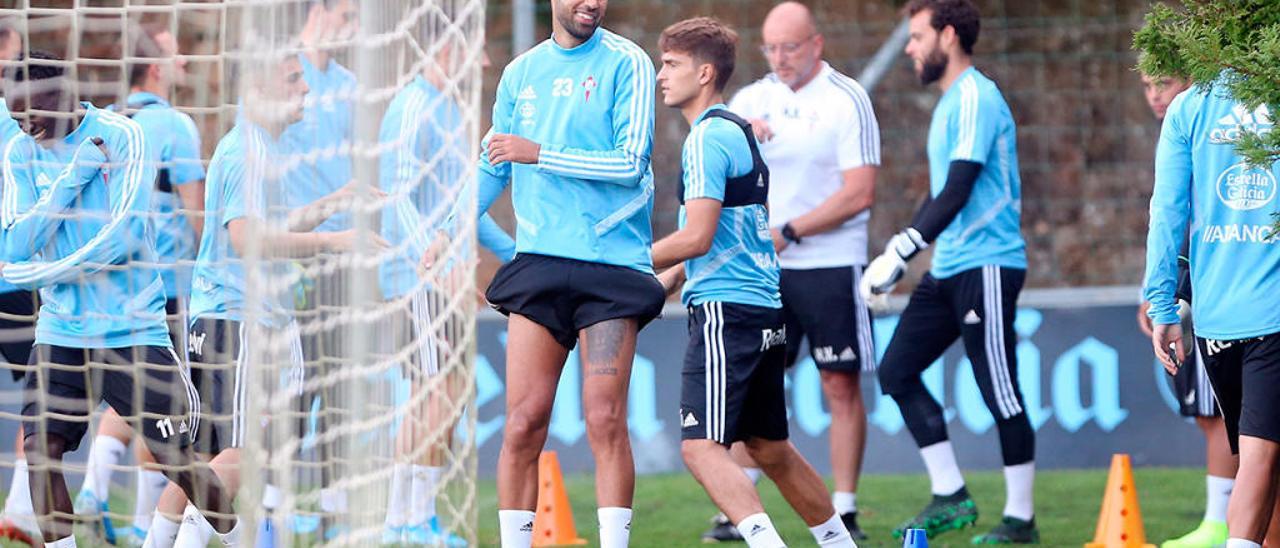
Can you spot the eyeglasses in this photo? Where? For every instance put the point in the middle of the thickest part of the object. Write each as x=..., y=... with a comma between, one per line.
x=787, y=48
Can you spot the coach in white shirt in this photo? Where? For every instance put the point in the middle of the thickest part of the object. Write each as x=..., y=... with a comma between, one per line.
x=822, y=144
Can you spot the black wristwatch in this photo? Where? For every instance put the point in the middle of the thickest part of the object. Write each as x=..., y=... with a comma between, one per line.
x=789, y=234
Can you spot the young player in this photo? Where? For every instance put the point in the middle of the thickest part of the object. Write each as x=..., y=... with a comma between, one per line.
x=1191, y=382
x=1235, y=276
x=178, y=201
x=819, y=135
x=422, y=172
x=572, y=134
x=732, y=388
x=248, y=235
x=102, y=329
x=979, y=265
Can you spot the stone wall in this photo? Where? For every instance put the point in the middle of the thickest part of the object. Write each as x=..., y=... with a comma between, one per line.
x=1085, y=135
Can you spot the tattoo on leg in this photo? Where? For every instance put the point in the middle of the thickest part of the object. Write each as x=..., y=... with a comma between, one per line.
x=604, y=342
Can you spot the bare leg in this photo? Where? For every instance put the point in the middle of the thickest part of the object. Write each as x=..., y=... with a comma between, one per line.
x=1221, y=462
x=1254, y=497
x=534, y=363
x=795, y=478
x=848, y=426
x=49, y=494
x=608, y=350
x=728, y=487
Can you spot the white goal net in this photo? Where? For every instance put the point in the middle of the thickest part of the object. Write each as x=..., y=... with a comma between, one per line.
x=296, y=176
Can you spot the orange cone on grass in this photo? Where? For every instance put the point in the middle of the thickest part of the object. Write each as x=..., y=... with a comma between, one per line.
x=553, y=521
x=1120, y=522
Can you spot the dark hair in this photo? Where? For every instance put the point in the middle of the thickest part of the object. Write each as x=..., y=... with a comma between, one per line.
x=145, y=46
x=33, y=69
x=961, y=15
x=705, y=39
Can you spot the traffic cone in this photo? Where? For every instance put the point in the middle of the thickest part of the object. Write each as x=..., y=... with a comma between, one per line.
x=915, y=538
x=1120, y=522
x=553, y=522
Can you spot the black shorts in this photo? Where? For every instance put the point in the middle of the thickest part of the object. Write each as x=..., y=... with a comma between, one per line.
x=732, y=386
x=1246, y=379
x=71, y=382
x=825, y=306
x=976, y=305
x=567, y=295
x=17, y=329
x=1192, y=387
x=220, y=360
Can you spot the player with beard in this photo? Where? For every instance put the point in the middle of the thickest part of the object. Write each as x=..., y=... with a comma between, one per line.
x=972, y=217
x=572, y=135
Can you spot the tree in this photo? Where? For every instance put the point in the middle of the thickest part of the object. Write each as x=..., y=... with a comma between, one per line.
x=1230, y=43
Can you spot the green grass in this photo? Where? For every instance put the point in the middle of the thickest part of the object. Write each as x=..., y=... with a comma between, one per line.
x=672, y=510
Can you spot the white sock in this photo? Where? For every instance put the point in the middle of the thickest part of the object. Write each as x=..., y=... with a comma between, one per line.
x=400, y=479
x=1238, y=543
x=516, y=528
x=845, y=502
x=944, y=473
x=333, y=500
x=1218, y=491
x=232, y=537
x=19, y=501
x=67, y=542
x=832, y=533
x=423, y=498
x=1018, y=482
x=150, y=485
x=615, y=526
x=271, y=497
x=754, y=474
x=759, y=532
x=163, y=532
x=103, y=458
x=195, y=531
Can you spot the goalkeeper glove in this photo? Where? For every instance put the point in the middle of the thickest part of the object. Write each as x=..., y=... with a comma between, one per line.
x=884, y=272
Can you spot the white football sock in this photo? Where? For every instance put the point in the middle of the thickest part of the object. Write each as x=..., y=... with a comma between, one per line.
x=615, y=526
x=1242, y=543
x=19, y=501
x=163, y=532
x=195, y=531
x=516, y=528
x=400, y=480
x=333, y=500
x=1218, y=493
x=1018, y=482
x=832, y=533
x=944, y=473
x=104, y=455
x=845, y=502
x=754, y=474
x=759, y=532
x=232, y=537
x=423, y=498
x=150, y=486
x=271, y=497
x=68, y=542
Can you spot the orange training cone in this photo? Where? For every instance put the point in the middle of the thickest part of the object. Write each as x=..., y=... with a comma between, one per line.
x=1120, y=522
x=553, y=522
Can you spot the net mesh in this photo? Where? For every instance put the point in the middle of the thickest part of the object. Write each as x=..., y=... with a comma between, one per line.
x=325, y=293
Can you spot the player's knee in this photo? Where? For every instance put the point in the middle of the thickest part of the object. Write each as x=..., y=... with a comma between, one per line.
x=693, y=451
x=525, y=429
x=895, y=383
x=842, y=388
x=49, y=446
x=768, y=453
x=606, y=423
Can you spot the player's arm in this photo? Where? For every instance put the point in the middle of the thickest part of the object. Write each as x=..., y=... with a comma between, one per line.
x=1170, y=215
x=858, y=156
x=28, y=216
x=672, y=278
x=706, y=164
x=130, y=179
x=495, y=239
x=624, y=164
x=187, y=172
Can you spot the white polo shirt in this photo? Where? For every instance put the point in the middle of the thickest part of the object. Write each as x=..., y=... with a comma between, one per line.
x=820, y=131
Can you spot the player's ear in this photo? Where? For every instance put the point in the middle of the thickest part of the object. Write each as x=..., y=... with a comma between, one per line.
x=947, y=38
x=706, y=74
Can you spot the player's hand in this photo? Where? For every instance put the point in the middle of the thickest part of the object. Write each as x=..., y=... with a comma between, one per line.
x=779, y=243
x=505, y=147
x=437, y=249
x=1144, y=322
x=882, y=275
x=348, y=240
x=671, y=279
x=1168, y=344
x=91, y=158
x=761, y=128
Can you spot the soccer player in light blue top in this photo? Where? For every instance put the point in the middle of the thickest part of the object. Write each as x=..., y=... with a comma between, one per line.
x=732, y=386
x=572, y=135
x=979, y=265
x=103, y=301
x=1204, y=184
x=425, y=168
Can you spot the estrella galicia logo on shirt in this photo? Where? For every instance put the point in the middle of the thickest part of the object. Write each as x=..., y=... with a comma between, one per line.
x=1229, y=128
x=527, y=113
x=1243, y=187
